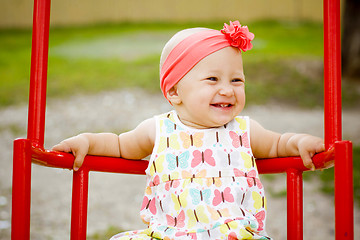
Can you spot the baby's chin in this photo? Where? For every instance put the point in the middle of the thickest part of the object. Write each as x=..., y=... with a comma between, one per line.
x=219, y=125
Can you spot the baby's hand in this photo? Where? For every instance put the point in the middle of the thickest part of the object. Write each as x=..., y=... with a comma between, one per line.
x=78, y=146
x=308, y=146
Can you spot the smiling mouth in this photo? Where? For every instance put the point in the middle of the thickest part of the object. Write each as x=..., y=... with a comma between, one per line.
x=221, y=105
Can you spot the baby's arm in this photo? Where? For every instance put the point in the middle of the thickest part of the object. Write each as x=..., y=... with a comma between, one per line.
x=135, y=144
x=268, y=144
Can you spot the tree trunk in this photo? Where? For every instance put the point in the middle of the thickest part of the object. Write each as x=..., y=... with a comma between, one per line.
x=350, y=54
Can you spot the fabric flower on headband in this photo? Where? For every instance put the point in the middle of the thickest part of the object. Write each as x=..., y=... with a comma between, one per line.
x=238, y=36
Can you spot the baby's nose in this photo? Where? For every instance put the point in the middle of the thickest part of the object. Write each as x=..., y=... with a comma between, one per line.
x=226, y=91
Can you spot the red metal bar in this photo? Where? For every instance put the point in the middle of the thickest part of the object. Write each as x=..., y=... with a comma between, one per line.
x=38, y=72
x=344, y=192
x=279, y=165
x=79, y=204
x=21, y=190
x=92, y=163
x=344, y=216
x=120, y=165
x=21, y=197
x=332, y=72
x=294, y=204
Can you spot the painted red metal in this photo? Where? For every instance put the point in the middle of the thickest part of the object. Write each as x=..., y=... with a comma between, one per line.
x=344, y=216
x=120, y=165
x=344, y=192
x=294, y=204
x=31, y=149
x=38, y=72
x=332, y=72
x=21, y=193
x=79, y=204
x=92, y=163
x=36, y=123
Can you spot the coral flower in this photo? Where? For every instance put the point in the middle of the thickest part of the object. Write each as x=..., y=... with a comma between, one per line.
x=238, y=36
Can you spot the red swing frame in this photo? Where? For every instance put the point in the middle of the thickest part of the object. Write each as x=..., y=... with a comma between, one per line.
x=31, y=150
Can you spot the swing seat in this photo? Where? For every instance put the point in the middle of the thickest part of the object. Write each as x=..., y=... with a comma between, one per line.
x=31, y=150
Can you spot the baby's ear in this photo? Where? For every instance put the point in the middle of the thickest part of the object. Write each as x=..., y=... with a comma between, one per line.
x=173, y=96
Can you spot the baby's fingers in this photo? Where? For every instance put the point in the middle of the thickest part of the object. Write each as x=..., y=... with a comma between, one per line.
x=307, y=160
x=78, y=146
x=61, y=147
x=79, y=159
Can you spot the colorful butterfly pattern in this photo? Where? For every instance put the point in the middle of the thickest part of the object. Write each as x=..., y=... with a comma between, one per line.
x=169, y=142
x=203, y=157
x=251, y=177
x=198, y=215
x=225, y=196
x=202, y=184
x=178, y=221
x=176, y=161
x=191, y=140
x=157, y=167
x=198, y=195
x=180, y=200
x=170, y=126
x=259, y=200
x=218, y=213
x=149, y=204
x=260, y=217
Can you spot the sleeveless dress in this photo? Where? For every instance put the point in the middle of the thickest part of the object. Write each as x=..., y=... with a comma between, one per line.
x=202, y=184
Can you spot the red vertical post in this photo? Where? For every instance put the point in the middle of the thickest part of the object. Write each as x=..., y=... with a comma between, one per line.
x=38, y=72
x=21, y=196
x=344, y=216
x=344, y=192
x=79, y=204
x=294, y=204
x=332, y=72
x=21, y=190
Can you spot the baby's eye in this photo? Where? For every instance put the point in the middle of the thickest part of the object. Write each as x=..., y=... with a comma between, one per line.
x=236, y=80
x=212, y=79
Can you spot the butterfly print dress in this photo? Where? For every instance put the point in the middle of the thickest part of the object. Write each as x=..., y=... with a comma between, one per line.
x=202, y=184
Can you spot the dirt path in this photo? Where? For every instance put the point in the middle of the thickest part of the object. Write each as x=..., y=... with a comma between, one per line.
x=112, y=203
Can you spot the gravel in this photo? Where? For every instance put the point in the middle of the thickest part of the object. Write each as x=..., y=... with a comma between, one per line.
x=115, y=199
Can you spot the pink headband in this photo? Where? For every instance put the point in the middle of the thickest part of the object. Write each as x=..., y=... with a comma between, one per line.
x=184, y=56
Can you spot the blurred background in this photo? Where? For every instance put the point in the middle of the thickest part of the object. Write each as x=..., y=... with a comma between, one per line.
x=103, y=76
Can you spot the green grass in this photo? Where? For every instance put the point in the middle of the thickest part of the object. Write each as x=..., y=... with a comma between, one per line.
x=269, y=74
x=14, y=66
x=279, y=40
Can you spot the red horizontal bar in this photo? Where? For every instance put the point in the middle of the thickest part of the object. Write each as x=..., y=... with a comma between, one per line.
x=119, y=165
x=92, y=163
x=279, y=165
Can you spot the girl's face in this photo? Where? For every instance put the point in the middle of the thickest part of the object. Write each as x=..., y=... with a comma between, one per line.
x=212, y=93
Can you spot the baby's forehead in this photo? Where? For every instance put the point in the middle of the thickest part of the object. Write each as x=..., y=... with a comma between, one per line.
x=176, y=39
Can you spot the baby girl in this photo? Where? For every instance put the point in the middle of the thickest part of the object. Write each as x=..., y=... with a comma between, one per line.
x=202, y=179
